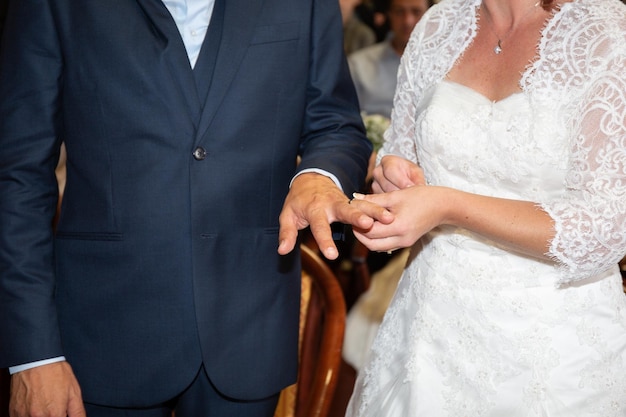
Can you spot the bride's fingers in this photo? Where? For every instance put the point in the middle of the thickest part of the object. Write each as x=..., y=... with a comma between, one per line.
x=380, y=231
x=376, y=211
x=383, y=244
x=383, y=200
x=383, y=185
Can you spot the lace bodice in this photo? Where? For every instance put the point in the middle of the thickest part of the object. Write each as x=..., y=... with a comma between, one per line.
x=483, y=325
x=567, y=149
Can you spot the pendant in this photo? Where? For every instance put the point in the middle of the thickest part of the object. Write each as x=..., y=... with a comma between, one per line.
x=498, y=49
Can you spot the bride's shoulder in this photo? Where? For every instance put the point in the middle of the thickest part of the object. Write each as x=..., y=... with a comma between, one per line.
x=608, y=13
x=446, y=18
x=457, y=9
x=598, y=25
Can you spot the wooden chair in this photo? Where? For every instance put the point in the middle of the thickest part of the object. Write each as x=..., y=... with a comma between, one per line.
x=322, y=324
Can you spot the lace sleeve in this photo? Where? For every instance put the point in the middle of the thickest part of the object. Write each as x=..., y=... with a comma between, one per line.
x=435, y=44
x=400, y=137
x=590, y=219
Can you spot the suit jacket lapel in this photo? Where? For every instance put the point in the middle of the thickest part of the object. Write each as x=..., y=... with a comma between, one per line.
x=174, y=54
x=239, y=23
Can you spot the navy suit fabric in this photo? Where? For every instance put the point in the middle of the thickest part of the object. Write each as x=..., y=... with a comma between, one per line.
x=165, y=255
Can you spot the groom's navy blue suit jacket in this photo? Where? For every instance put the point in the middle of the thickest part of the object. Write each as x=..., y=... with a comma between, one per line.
x=165, y=255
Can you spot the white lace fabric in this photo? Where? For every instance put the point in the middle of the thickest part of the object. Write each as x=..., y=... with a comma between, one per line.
x=580, y=75
x=475, y=329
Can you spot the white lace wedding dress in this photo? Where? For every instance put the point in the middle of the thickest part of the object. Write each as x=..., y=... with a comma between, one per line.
x=476, y=330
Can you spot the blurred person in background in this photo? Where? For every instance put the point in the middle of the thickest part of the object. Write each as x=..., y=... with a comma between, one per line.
x=356, y=33
x=374, y=69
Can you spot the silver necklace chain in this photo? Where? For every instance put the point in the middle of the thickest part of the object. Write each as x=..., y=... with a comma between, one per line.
x=498, y=48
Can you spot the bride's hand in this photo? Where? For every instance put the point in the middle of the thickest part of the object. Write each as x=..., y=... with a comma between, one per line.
x=416, y=210
x=396, y=173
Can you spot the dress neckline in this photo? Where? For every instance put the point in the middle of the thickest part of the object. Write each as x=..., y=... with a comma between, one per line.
x=533, y=63
x=466, y=90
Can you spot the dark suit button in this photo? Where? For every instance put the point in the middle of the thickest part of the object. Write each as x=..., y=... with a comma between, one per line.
x=199, y=153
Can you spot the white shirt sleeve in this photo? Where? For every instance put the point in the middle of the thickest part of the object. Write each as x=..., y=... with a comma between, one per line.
x=20, y=368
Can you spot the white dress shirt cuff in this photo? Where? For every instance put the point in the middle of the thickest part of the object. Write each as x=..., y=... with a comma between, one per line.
x=322, y=172
x=20, y=368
